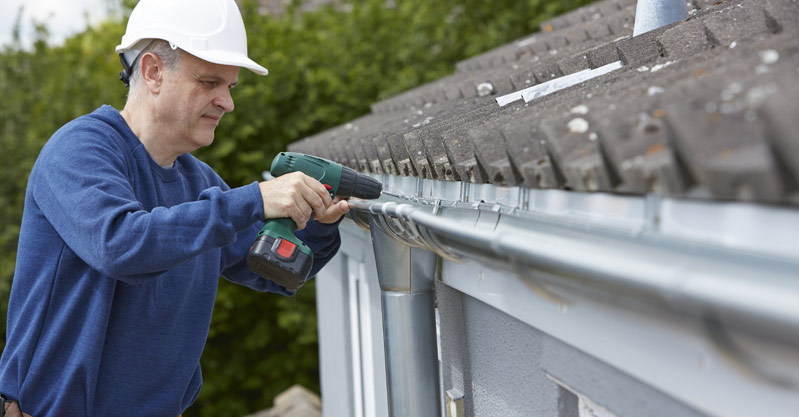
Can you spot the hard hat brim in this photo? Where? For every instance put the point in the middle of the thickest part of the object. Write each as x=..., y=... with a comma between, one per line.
x=217, y=57
x=230, y=58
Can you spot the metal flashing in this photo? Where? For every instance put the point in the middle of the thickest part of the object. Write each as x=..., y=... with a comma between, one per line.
x=552, y=86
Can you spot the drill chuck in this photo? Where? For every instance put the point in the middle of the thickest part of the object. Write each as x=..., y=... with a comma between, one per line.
x=353, y=184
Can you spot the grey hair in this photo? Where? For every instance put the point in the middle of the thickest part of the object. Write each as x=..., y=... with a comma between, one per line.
x=170, y=57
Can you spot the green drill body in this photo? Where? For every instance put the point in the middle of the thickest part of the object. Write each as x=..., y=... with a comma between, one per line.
x=277, y=253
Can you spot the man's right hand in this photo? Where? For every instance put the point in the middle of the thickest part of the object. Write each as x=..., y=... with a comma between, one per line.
x=294, y=195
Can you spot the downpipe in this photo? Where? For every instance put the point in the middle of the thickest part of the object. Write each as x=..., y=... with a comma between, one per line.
x=405, y=274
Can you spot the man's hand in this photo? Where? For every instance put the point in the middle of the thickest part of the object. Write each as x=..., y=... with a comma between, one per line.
x=297, y=195
x=334, y=211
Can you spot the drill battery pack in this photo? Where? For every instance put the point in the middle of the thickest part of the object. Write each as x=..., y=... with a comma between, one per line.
x=280, y=260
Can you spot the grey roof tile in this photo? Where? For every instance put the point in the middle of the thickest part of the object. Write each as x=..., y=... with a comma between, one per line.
x=703, y=4
x=546, y=72
x=641, y=49
x=782, y=15
x=728, y=25
x=557, y=40
x=414, y=143
x=686, y=39
x=622, y=23
x=576, y=35
x=568, y=65
x=602, y=55
x=639, y=148
x=780, y=115
x=489, y=147
x=598, y=30
x=575, y=146
x=687, y=112
x=585, y=14
x=514, y=150
x=400, y=154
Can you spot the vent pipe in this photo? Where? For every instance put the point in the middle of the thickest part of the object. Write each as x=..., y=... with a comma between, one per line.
x=652, y=14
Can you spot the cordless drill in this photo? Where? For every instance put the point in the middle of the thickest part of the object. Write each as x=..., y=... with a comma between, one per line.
x=278, y=254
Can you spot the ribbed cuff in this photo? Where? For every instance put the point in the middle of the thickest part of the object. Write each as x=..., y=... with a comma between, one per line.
x=247, y=201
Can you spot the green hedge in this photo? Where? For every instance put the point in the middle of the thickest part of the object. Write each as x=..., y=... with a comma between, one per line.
x=326, y=67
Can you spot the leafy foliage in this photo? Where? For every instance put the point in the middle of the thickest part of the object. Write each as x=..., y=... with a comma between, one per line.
x=326, y=67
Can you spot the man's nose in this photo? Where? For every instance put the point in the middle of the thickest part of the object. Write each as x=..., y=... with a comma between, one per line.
x=224, y=101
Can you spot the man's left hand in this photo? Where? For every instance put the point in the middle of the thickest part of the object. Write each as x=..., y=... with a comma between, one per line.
x=333, y=212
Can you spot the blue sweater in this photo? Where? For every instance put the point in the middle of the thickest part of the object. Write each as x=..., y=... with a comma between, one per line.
x=117, y=270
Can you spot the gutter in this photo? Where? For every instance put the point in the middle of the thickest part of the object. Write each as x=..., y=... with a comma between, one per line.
x=737, y=290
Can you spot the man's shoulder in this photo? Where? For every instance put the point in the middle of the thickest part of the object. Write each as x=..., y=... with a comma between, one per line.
x=97, y=129
x=105, y=121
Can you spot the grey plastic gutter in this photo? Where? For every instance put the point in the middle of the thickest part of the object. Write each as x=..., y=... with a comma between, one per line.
x=747, y=291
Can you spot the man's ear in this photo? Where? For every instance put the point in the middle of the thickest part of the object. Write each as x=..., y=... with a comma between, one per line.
x=152, y=72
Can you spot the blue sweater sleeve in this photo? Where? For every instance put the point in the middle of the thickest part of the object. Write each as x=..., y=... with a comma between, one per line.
x=81, y=184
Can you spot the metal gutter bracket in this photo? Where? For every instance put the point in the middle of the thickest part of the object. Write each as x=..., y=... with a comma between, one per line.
x=405, y=274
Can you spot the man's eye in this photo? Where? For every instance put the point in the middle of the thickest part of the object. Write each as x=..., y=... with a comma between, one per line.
x=211, y=84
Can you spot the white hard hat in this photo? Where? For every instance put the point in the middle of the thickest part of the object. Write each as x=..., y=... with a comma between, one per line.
x=212, y=30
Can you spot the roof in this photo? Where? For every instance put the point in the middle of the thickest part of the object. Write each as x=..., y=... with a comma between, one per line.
x=704, y=108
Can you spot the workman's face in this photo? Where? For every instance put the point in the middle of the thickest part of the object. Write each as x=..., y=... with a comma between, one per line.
x=194, y=98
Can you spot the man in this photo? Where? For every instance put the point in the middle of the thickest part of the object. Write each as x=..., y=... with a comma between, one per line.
x=124, y=233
